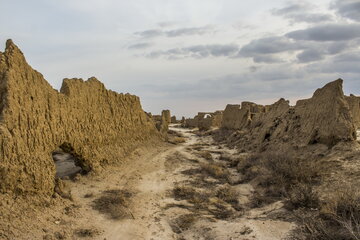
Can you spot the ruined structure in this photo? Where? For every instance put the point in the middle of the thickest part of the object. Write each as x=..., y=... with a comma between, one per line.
x=208, y=120
x=191, y=122
x=217, y=118
x=326, y=118
x=182, y=120
x=236, y=117
x=204, y=120
x=99, y=126
x=162, y=122
x=354, y=105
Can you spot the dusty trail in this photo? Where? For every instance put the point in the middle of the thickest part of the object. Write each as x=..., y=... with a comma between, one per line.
x=158, y=209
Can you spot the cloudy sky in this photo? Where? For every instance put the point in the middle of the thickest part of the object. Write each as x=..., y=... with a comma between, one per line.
x=191, y=55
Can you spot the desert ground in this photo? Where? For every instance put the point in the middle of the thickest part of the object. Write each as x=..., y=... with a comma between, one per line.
x=164, y=191
x=86, y=162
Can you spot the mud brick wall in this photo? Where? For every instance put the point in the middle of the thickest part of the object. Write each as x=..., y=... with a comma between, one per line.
x=98, y=125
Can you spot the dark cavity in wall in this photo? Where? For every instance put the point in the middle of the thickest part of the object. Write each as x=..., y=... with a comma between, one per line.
x=68, y=163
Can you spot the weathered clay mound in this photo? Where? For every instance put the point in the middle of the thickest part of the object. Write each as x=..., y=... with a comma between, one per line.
x=327, y=118
x=97, y=125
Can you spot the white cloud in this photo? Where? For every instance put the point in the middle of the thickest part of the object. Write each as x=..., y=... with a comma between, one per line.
x=262, y=57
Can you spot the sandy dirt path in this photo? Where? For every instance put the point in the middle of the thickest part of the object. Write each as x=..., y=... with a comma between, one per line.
x=154, y=212
x=172, y=197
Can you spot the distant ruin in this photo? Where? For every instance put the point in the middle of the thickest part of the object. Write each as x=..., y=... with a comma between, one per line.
x=96, y=125
x=204, y=120
x=327, y=118
x=173, y=119
x=162, y=122
x=238, y=117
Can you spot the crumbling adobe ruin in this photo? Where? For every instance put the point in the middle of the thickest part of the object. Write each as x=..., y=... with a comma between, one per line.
x=236, y=117
x=205, y=120
x=162, y=122
x=327, y=118
x=354, y=105
x=208, y=120
x=191, y=122
x=97, y=125
x=173, y=119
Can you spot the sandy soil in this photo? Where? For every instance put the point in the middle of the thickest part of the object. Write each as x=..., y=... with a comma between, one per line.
x=151, y=174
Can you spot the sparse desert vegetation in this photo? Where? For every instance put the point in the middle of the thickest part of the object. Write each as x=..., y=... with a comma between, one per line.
x=337, y=218
x=115, y=203
x=283, y=175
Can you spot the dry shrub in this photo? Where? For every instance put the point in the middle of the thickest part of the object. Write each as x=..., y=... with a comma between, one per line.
x=207, y=155
x=183, y=192
x=286, y=166
x=183, y=223
x=259, y=200
x=344, y=208
x=339, y=218
x=200, y=199
x=206, y=201
x=114, y=203
x=197, y=197
x=232, y=161
x=215, y=170
x=302, y=196
x=222, y=211
x=228, y=194
x=290, y=168
x=283, y=175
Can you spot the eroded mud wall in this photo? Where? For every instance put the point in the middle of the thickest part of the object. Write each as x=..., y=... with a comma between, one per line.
x=217, y=121
x=354, y=105
x=100, y=125
x=207, y=120
x=191, y=122
x=165, y=121
x=162, y=122
x=239, y=117
x=325, y=118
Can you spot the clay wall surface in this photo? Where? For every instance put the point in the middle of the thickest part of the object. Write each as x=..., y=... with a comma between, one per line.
x=207, y=120
x=98, y=125
x=354, y=105
x=217, y=121
x=230, y=116
x=165, y=121
x=236, y=117
x=326, y=118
